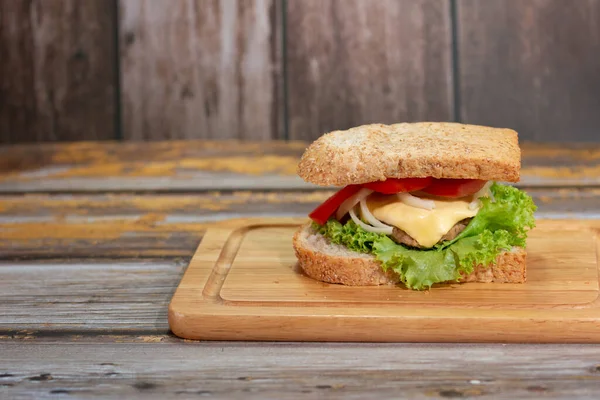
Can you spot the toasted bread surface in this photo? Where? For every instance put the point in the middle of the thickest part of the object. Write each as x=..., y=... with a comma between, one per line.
x=328, y=262
x=376, y=152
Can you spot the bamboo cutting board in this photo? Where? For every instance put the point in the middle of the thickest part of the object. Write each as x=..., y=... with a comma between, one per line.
x=243, y=284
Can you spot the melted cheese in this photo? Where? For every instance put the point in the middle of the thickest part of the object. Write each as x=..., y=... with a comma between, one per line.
x=425, y=226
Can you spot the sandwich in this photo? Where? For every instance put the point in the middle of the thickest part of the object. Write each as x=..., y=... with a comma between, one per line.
x=418, y=204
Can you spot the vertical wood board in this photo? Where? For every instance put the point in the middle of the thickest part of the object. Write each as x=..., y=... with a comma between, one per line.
x=360, y=61
x=57, y=70
x=199, y=69
x=531, y=65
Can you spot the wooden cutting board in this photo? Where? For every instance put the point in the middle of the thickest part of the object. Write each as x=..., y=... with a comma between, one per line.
x=243, y=284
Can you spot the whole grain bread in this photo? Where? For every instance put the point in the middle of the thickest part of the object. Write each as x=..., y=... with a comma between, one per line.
x=375, y=152
x=328, y=262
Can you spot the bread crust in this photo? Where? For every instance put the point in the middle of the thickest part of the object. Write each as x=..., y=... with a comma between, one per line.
x=332, y=263
x=376, y=152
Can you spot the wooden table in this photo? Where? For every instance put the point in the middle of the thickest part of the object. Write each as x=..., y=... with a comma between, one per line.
x=94, y=238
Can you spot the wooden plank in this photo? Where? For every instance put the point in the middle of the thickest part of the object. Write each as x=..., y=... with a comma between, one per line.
x=532, y=66
x=358, y=61
x=297, y=371
x=105, y=226
x=105, y=297
x=227, y=165
x=113, y=227
x=57, y=75
x=177, y=165
x=58, y=337
x=200, y=69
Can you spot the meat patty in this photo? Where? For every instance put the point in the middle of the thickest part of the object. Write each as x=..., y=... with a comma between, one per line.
x=402, y=237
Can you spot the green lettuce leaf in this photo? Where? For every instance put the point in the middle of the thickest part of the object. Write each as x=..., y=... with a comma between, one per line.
x=499, y=225
x=513, y=211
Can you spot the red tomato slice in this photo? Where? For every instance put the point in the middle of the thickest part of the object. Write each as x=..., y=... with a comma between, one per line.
x=398, y=185
x=390, y=186
x=454, y=187
x=322, y=213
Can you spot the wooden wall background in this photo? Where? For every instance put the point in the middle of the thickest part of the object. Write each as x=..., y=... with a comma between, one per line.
x=292, y=69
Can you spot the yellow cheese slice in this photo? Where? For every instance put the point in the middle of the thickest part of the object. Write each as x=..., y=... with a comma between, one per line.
x=425, y=226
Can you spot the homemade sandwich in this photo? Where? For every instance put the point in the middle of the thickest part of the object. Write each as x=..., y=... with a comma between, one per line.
x=419, y=205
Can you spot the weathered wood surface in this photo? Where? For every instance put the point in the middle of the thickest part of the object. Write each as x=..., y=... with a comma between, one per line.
x=57, y=74
x=178, y=165
x=200, y=69
x=227, y=165
x=125, y=226
x=358, y=61
x=102, y=297
x=86, y=369
x=129, y=226
x=265, y=69
x=85, y=280
x=531, y=65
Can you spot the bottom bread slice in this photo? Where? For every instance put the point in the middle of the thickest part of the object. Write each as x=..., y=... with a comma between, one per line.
x=329, y=262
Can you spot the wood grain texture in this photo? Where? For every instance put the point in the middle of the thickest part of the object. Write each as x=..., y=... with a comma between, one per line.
x=151, y=166
x=48, y=337
x=122, y=227
x=264, y=258
x=102, y=297
x=46, y=369
x=125, y=227
x=227, y=165
x=357, y=61
x=244, y=275
x=531, y=66
x=57, y=74
x=200, y=69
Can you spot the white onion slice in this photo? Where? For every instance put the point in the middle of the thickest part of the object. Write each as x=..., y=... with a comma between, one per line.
x=417, y=202
x=484, y=191
x=369, y=228
x=474, y=204
x=491, y=195
x=366, y=213
x=350, y=202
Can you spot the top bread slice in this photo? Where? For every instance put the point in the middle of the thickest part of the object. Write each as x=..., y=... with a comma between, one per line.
x=376, y=152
